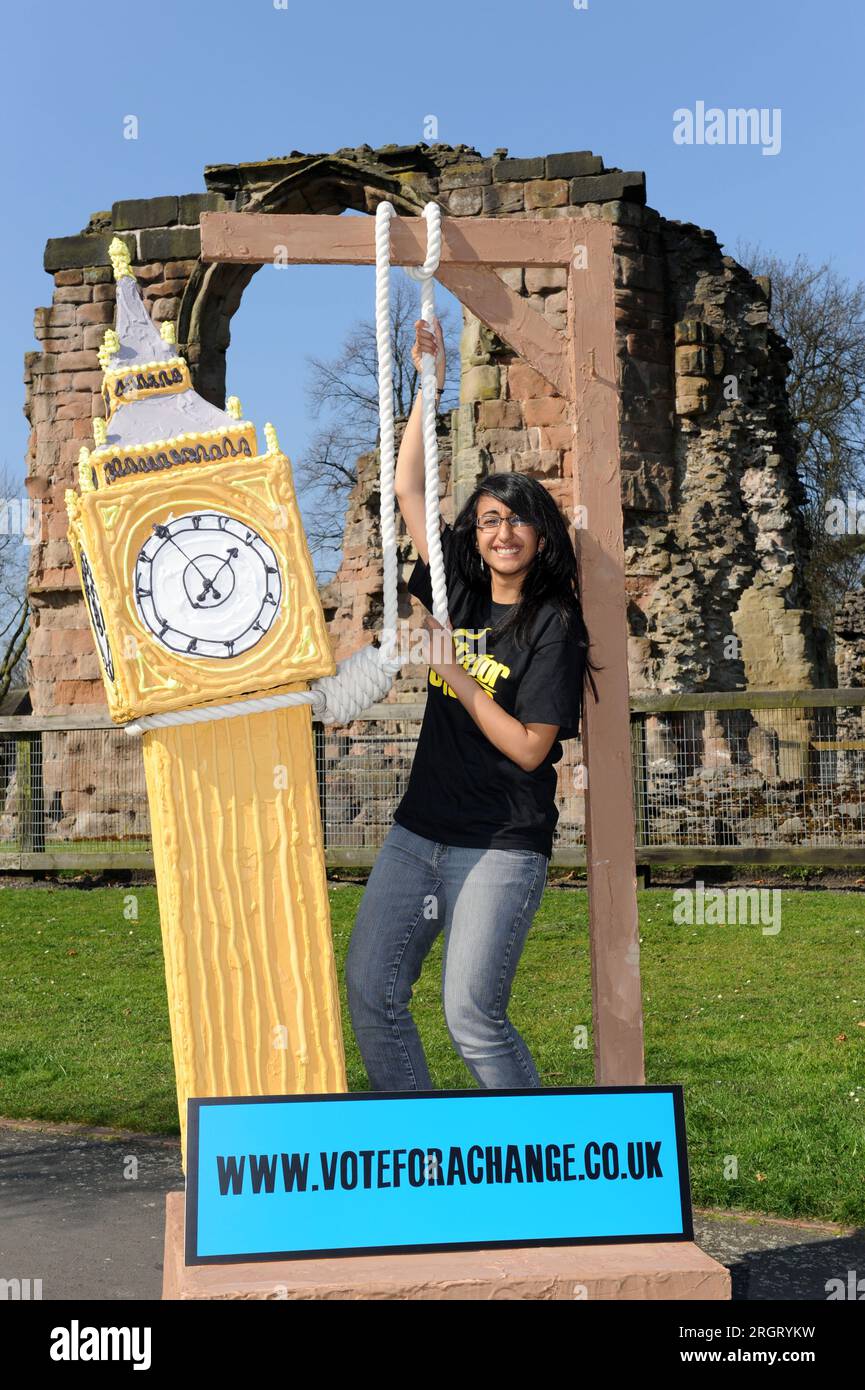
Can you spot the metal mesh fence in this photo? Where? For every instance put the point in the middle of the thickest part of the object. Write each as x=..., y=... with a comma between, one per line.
x=363, y=771
x=723, y=780
x=75, y=791
x=742, y=777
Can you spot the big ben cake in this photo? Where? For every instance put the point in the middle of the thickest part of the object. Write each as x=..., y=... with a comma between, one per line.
x=201, y=592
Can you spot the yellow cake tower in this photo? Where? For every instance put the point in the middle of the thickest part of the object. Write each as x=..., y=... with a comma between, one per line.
x=201, y=593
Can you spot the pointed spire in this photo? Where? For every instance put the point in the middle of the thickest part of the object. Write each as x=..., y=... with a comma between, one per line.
x=272, y=441
x=152, y=411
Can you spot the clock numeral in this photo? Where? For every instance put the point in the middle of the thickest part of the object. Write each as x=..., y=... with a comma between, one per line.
x=196, y=522
x=230, y=646
x=143, y=593
x=193, y=646
x=222, y=522
x=269, y=569
x=161, y=531
x=268, y=598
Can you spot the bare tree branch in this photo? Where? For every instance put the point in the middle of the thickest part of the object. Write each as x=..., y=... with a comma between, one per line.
x=343, y=392
x=822, y=318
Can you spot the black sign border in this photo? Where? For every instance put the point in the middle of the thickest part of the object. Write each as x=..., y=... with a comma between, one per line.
x=194, y=1104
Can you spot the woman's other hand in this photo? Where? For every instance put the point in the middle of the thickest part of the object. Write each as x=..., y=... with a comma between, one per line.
x=427, y=341
x=442, y=653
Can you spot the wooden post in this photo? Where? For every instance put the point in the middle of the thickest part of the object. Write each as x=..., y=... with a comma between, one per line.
x=610, y=860
x=582, y=366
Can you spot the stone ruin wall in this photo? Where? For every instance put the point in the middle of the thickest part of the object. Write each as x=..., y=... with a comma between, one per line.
x=715, y=543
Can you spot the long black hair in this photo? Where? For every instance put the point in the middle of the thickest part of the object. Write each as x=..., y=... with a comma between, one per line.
x=552, y=577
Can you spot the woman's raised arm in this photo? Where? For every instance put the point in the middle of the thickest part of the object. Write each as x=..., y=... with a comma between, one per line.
x=409, y=476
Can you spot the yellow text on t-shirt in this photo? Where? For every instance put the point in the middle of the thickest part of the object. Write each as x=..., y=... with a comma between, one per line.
x=482, y=667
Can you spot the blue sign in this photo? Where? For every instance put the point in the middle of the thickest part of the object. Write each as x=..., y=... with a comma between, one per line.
x=281, y=1177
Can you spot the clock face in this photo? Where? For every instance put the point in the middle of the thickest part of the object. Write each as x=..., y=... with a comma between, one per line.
x=97, y=617
x=207, y=585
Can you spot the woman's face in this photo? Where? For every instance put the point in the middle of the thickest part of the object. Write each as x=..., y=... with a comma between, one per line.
x=509, y=550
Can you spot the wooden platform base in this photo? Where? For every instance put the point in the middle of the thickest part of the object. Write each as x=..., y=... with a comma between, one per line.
x=668, y=1270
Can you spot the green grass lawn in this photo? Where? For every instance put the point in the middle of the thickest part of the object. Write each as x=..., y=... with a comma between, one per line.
x=766, y=1033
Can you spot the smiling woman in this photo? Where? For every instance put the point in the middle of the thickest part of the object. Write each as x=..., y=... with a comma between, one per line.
x=469, y=850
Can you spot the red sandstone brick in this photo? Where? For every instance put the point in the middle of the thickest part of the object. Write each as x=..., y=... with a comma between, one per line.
x=46, y=365
x=78, y=693
x=92, y=337
x=501, y=440
x=55, y=526
x=103, y=294
x=74, y=408
x=49, y=430
x=89, y=667
x=65, y=344
x=546, y=193
x=74, y=294
x=57, y=315
x=499, y=415
x=87, y=381
x=79, y=361
x=78, y=642
x=555, y=436
x=525, y=382
x=544, y=410
x=69, y=277
x=95, y=313
x=164, y=309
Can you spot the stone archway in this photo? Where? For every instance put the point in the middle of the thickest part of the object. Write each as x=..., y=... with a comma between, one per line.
x=214, y=292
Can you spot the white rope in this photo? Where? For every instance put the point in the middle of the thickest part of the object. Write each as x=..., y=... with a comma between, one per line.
x=364, y=678
x=425, y=273
x=383, y=214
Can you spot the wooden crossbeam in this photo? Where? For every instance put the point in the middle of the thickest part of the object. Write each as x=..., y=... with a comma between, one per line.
x=300, y=238
x=296, y=239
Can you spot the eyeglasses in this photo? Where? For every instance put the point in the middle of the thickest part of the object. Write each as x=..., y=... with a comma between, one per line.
x=492, y=523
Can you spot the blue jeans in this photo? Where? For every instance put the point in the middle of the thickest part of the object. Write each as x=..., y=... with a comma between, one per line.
x=484, y=901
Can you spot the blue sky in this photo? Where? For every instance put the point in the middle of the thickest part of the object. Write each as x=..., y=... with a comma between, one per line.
x=213, y=82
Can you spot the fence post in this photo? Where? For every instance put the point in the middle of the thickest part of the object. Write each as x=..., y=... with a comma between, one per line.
x=641, y=791
x=321, y=778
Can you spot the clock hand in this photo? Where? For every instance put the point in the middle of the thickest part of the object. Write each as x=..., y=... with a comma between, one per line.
x=232, y=555
x=163, y=533
x=209, y=584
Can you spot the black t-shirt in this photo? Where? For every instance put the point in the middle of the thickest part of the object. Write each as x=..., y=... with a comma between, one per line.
x=462, y=790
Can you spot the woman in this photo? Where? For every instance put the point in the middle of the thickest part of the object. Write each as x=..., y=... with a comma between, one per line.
x=469, y=851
